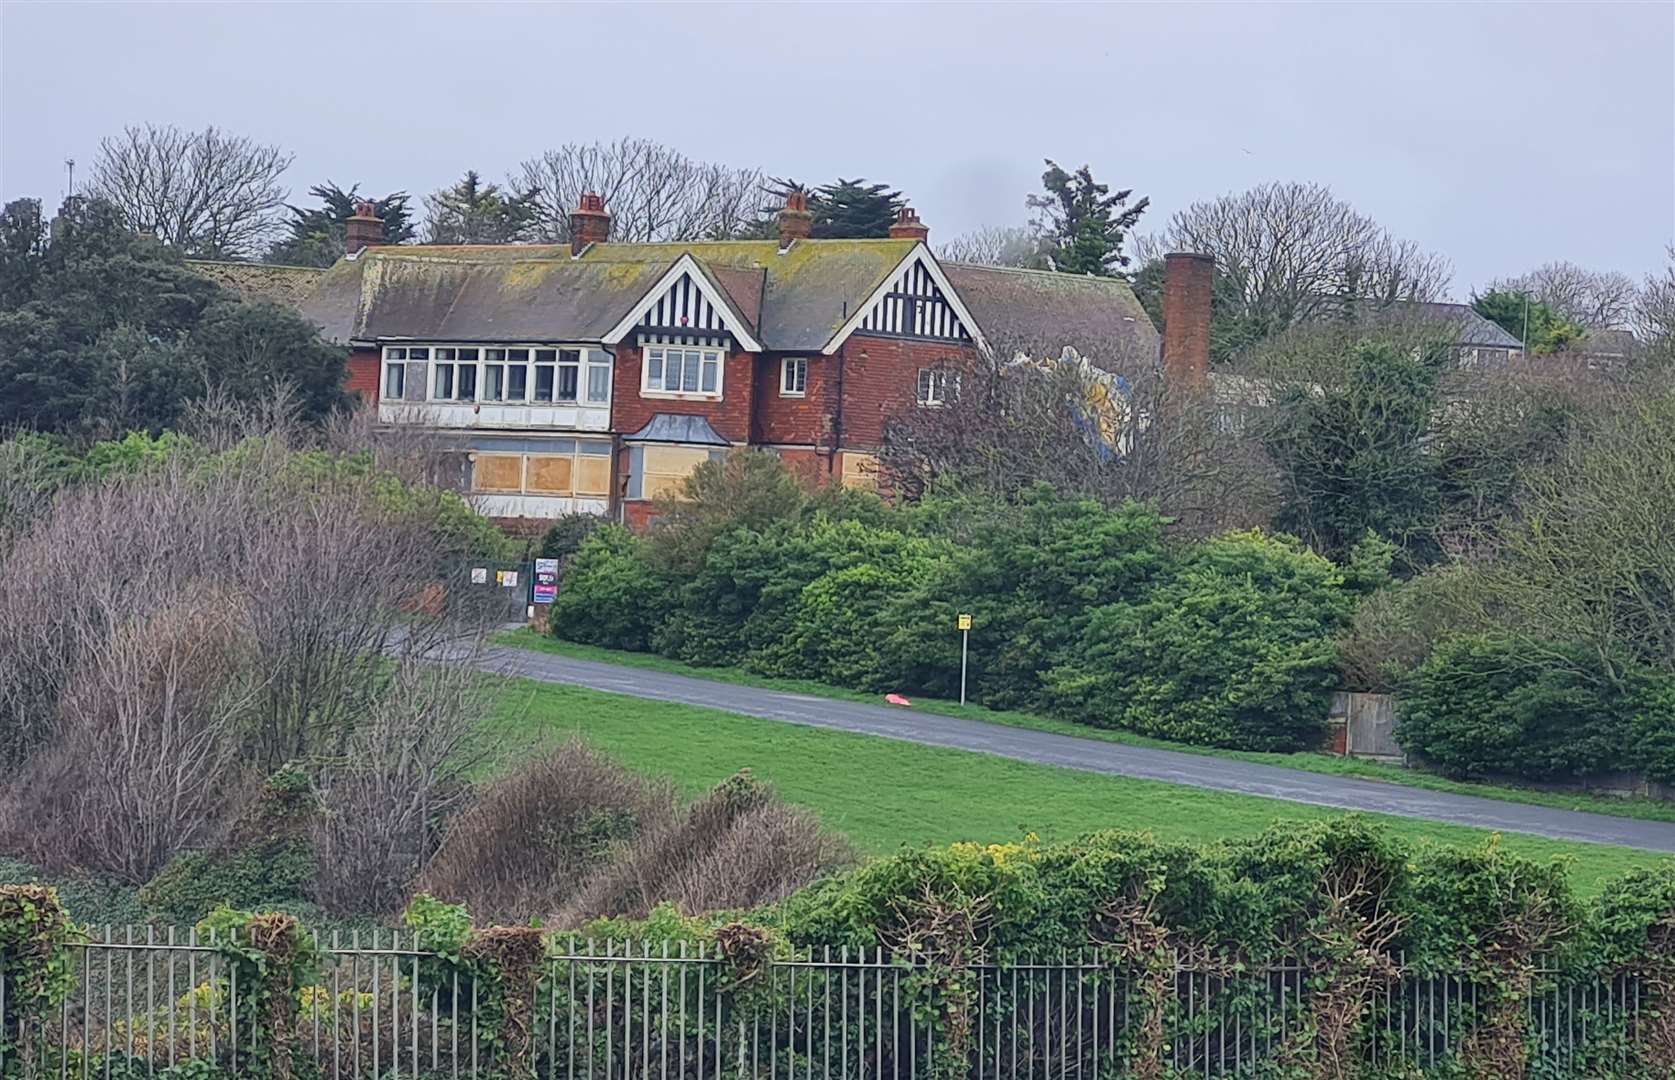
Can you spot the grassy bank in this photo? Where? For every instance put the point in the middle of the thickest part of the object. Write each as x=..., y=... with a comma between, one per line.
x=885, y=793
x=1644, y=809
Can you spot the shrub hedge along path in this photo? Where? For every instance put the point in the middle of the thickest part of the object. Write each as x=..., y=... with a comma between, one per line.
x=1088, y=755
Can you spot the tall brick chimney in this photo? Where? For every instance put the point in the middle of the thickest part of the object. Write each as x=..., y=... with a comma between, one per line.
x=590, y=223
x=795, y=221
x=1187, y=278
x=907, y=226
x=364, y=229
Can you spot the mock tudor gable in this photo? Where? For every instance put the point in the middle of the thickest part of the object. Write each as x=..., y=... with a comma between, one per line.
x=685, y=307
x=916, y=301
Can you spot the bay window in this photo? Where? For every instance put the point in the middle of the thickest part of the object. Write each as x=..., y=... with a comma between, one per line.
x=514, y=374
x=671, y=370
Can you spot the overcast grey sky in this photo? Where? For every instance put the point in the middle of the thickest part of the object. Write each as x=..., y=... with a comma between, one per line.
x=1504, y=135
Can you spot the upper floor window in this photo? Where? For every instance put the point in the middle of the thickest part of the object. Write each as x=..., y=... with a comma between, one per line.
x=511, y=374
x=793, y=376
x=671, y=370
x=935, y=384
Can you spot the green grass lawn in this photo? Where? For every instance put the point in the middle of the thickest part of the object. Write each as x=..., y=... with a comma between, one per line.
x=1645, y=809
x=884, y=793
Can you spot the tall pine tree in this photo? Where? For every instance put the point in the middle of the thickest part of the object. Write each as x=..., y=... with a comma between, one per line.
x=847, y=209
x=472, y=212
x=1082, y=222
x=319, y=236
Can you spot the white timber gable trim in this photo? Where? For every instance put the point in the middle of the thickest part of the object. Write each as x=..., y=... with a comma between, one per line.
x=684, y=303
x=916, y=300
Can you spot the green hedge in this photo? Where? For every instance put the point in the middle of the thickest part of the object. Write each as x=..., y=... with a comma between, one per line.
x=1482, y=705
x=1077, y=609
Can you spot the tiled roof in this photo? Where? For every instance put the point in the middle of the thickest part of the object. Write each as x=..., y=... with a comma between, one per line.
x=1041, y=312
x=287, y=285
x=528, y=292
x=1464, y=323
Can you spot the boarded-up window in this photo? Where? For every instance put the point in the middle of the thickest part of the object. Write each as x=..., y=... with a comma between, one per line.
x=593, y=475
x=667, y=466
x=549, y=475
x=860, y=471
x=497, y=472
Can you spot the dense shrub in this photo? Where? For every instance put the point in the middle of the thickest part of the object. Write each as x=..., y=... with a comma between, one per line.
x=530, y=839
x=1234, y=648
x=738, y=847
x=265, y=863
x=566, y=535
x=611, y=596
x=1481, y=704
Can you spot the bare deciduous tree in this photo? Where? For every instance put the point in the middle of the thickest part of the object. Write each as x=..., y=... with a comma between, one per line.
x=1598, y=299
x=652, y=191
x=1295, y=251
x=996, y=245
x=1654, y=310
x=1107, y=426
x=206, y=192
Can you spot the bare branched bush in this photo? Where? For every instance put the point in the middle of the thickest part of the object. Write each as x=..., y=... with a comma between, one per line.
x=402, y=771
x=411, y=451
x=169, y=632
x=531, y=839
x=739, y=846
x=145, y=760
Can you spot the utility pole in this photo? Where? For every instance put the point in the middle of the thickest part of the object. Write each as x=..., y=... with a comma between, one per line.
x=70, y=164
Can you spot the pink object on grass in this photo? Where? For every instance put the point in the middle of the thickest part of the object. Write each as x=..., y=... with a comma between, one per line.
x=897, y=699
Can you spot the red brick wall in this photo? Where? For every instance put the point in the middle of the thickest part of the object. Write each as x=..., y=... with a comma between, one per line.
x=810, y=466
x=730, y=417
x=362, y=374
x=637, y=515
x=798, y=421
x=881, y=377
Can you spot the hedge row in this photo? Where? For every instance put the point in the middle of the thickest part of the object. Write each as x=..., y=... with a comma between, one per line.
x=1483, y=705
x=1078, y=610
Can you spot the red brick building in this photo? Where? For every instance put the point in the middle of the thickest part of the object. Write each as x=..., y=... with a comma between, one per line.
x=594, y=377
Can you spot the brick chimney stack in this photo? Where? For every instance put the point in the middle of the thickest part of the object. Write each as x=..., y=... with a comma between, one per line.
x=907, y=226
x=1187, y=278
x=590, y=223
x=795, y=221
x=363, y=230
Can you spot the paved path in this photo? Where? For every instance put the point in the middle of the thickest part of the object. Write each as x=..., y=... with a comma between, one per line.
x=1091, y=755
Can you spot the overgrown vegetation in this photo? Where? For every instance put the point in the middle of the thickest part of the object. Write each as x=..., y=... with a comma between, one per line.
x=1077, y=609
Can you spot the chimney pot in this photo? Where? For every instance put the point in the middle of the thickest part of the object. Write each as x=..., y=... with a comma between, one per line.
x=1187, y=280
x=795, y=221
x=907, y=226
x=590, y=222
x=364, y=228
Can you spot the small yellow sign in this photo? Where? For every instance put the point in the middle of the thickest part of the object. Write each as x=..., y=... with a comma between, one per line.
x=965, y=622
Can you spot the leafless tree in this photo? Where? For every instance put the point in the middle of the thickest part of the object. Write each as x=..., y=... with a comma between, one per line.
x=995, y=245
x=1654, y=310
x=1295, y=251
x=404, y=766
x=1107, y=426
x=206, y=192
x=1598, y=299
x=652, y=191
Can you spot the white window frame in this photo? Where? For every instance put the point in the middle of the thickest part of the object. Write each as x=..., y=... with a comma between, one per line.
x=793, y=377
x=934, y=386
x=659, y=354
x=421, y=371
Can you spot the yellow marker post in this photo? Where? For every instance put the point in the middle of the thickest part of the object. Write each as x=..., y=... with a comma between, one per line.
x=964, y=624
